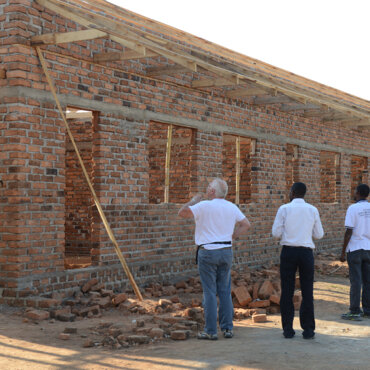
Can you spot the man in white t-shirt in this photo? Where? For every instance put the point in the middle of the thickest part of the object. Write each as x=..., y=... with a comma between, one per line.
x=217, y=223
x=357, y=246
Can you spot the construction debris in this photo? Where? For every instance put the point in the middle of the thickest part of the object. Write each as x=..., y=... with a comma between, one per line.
x=168, y=311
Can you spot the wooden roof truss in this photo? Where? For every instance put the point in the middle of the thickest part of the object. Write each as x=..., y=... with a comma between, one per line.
x=208, y=66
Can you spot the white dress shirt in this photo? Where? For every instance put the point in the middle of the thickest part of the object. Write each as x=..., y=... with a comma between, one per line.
x=296, y=223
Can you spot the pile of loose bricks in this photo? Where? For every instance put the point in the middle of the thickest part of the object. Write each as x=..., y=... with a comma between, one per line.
x=168, y=311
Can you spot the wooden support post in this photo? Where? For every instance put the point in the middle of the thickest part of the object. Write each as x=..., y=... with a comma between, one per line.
x=168, y=160
x=237, y=176
x=96, y=200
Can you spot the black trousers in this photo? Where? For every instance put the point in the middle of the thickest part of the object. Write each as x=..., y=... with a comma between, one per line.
x=291, y=259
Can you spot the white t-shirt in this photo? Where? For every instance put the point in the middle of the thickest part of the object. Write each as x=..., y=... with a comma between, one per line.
x=215, y=221
x=296, y=223
x=358, y=219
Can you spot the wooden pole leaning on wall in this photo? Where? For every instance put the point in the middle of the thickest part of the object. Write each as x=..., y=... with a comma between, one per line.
x=167, y=166
x=237, y=175
x=96, y=200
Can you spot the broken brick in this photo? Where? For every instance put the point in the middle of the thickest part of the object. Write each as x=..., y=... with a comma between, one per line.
x=242, y=295
x=266, y=290
x=86, y=287
x=259, y=318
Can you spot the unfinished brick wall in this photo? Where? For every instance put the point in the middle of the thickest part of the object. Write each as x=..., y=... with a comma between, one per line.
x=359, y=172
x=78, y=198
x=291, y=167
x=154, y=241
x=329, y=176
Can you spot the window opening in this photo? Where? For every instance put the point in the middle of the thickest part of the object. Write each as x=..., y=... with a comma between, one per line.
x=329, y=176
x=236, y=167
x=170, y=162
x=78, y=198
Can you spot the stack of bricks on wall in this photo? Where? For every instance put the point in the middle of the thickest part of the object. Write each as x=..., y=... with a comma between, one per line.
x=127, y=92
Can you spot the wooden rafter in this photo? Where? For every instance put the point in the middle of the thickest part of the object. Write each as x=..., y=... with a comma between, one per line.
x=167, y=70
x=266, y=100
x=66, y=37
x=216, y=82
x=246, y=91
x=124, y=55
x=295, y=107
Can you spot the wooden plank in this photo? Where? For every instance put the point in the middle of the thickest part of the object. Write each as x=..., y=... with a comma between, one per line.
x=266, y=100
x=166, y=70
x=246, y=91
x=215, y=82
x=237, y=175
x=124, y=55
x=355, y=122
x=294, y=107
x=66, y=37
x=79, y=115
x=167, y=165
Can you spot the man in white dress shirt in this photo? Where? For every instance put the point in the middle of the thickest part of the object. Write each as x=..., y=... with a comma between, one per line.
x=296, y=223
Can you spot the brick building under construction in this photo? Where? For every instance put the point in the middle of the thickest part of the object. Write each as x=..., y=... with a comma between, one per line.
x=155, y=114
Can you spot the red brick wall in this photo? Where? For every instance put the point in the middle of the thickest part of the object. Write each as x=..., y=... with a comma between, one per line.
x=359, y=172
x=155, y=242
x=78, y=198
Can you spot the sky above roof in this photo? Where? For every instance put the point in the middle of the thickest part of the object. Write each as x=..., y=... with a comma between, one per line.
x=323, y=40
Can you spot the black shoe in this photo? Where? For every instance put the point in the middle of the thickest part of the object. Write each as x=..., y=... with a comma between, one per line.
x=228, y=334
x=289, y=334
x=308, y=335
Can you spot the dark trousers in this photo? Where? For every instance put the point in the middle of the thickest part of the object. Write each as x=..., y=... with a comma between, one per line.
x=359, y=275
x=292, y=258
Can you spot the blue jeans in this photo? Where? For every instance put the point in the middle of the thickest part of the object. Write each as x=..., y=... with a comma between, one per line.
x=291, y=259
x=359, y=275
x=215, y=275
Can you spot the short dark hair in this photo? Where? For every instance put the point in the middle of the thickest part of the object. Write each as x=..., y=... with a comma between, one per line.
x=299, y=189
x=363, y=190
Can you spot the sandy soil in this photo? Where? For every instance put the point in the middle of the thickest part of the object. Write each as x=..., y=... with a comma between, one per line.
x=338, y=344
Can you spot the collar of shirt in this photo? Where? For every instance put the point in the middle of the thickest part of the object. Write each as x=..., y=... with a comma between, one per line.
x=298, y=200
x=361, y=200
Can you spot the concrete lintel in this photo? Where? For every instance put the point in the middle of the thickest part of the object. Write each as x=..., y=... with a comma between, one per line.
x=145, y=115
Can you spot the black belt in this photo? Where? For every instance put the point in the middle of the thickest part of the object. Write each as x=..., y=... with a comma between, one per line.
x=228, y=242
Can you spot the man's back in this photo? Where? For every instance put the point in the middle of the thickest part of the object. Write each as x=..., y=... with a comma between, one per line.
x=358, y=219
x=296, y=223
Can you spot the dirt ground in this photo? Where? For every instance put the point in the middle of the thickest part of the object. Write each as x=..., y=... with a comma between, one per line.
x=338, y=344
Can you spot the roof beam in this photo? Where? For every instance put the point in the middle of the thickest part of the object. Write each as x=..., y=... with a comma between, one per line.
x=246, y=91
x=66, y=37
x=124, y=55
x=215, y=82
x=167, y=70
x=355, y=122
x=266, y=100
x=294, y=107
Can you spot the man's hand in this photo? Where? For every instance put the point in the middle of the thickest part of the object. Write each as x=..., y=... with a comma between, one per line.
x=342, y=257
x=185, y=211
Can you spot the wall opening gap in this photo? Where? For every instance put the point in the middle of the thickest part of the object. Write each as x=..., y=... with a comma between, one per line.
x=79, y=203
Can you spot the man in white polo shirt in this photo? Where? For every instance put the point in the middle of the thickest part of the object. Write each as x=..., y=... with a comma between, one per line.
x=295, y=224
x=357, y=245
x=217, y=223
